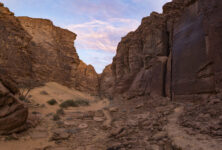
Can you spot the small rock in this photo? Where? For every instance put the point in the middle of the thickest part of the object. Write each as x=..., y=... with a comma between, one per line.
x=98, y=119
x=214, y=101
x=83, y=126
x=113, y=109
x=139, y=106
x=60, y=134
x=69, y=123
x=143, y=116
x=89, y=114
x=132, y=122
x=160, y=135
x=99, y=113
x=116, y=131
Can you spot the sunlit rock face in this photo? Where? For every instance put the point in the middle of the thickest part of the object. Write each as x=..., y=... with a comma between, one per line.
x=14, y=41
x=174, y=53
x=34, y=50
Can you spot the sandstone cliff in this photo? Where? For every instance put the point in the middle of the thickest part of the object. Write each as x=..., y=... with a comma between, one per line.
x=175, y=53
x=36, y=51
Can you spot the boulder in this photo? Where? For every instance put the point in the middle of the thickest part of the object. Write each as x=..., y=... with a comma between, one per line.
x=13, y=113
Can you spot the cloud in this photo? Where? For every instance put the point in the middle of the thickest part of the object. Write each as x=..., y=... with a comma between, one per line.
x=102, y=35
x=99, y=24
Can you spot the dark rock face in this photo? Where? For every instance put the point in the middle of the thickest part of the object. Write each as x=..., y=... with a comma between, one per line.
x=34, y=50
x=13, y=114
x=195, y=60
x=174, y=53
x=106, y=82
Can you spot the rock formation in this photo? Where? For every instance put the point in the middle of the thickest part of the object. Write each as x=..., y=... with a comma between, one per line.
x=34, y=50
x=172, y=54
x=14, y=41
x=13, y=114
x=106, y=82
x=196, y=53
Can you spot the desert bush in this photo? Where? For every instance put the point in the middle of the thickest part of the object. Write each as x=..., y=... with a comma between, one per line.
x=56, y=117
x=60, y=112
x=76, y=103
x=24, y=99
x=52, y=102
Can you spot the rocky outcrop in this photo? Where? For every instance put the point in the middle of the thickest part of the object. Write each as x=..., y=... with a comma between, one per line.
x=14, y=41
x=106, y=82
x=36, y=51
x=53, y=54
x=13, y=114
x=140, y=64
x=87, y=79
x=174, y=53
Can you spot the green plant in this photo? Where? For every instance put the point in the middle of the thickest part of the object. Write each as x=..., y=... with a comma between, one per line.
x=72, y=103
x=60, y=112
x=52, y=102
x=56, y=117
x=22, y=98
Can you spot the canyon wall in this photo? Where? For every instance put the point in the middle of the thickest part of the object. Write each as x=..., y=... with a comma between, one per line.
x=174, y=54
x=197, y=49
x=35, y=51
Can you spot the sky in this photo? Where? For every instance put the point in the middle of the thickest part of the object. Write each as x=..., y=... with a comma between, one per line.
x=99, y=24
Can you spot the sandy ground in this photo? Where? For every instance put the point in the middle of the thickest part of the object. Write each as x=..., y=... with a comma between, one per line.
x=39, y=137
x=142, y=123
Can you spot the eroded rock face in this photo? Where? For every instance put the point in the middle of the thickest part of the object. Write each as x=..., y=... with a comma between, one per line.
x=197, y=48
x=87, y=79
x=36, y=51
x=107, y=82
x=139, y=66
x=174, y=53
x=14, y=40
x=53, y=54
x=13, y=114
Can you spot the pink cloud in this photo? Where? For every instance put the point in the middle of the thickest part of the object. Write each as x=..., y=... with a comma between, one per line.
x=101, y=35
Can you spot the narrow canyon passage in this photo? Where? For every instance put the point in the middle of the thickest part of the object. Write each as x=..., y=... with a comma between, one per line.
x=163, y=90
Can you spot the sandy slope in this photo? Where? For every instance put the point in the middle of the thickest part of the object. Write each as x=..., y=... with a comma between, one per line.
x=39, y=137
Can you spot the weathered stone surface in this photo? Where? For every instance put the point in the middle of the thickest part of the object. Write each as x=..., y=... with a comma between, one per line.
x=87, y=79
x=13, y=114
x=54, y=57
x=106, y=82
x=136, y=63
x=196, y=48
x=14, y=40
x=34, y=50
x=188, y=39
